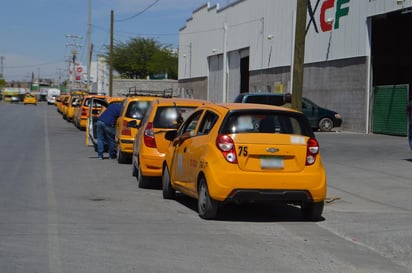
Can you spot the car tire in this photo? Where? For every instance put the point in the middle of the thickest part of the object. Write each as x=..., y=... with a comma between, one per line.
x=134, y=169
x=325, y=125
x=122, y=158
x=167, y=189
x=142, y=181
x=207, y=207
x=312, y=210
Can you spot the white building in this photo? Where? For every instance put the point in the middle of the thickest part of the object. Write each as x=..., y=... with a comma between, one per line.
x=101, y=71
x=352, y=48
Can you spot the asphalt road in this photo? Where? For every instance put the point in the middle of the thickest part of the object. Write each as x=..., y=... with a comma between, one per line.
x=64, y=211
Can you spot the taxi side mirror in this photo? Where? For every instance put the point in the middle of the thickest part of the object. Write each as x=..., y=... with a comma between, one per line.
x=133, y=123
x=171, y=135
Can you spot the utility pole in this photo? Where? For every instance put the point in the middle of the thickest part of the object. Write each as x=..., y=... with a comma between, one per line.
x=89, y=46
x=299, y=54
x=111, y=55
x=74, y=45
x=1, y=64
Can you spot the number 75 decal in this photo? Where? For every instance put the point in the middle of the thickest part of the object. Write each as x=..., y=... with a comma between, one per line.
x=242, y=151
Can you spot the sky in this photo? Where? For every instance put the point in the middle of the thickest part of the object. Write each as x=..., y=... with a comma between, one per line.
x=36, y=37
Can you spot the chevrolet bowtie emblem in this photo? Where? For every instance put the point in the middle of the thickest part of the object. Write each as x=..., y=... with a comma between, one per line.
x=272, y=150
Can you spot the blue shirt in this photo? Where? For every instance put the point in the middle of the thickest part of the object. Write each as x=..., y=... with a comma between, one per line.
x=110, y=115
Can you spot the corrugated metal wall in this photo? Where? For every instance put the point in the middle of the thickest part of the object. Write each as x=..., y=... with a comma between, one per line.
x=389, y=104
x=216, y=78
x=251, y=22
x=337, y=52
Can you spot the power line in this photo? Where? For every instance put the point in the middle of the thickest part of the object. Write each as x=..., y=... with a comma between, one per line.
x=139, y=13
x=32, y=65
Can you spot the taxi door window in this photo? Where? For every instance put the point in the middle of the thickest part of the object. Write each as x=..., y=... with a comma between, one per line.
x=207, y=123
x=190, y=125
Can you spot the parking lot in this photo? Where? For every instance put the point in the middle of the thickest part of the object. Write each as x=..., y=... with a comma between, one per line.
x=62, y=210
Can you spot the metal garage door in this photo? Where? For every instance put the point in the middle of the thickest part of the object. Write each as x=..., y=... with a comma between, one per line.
x=389, y=104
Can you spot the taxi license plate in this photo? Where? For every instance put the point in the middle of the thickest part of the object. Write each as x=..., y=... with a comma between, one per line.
x=271, y=162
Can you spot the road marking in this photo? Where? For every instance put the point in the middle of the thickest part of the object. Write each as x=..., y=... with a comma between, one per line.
x=52, y=218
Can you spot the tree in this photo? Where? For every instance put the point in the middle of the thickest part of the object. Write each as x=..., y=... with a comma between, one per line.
x=140, y=57
x=3, y=83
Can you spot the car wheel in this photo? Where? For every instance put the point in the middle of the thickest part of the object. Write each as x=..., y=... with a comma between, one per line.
x=142, y=181
x=207, y=207
x=168, y=191
x=312, y=211
x=122, y=157
x=325, y=125
x=134, y=169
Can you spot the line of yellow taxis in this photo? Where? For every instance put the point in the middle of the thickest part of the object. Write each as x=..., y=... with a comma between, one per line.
x=219, y=153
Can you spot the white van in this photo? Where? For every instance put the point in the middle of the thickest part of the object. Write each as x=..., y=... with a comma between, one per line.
x=52, y=93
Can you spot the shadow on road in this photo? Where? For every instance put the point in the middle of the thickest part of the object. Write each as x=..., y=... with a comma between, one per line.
x=253, y=212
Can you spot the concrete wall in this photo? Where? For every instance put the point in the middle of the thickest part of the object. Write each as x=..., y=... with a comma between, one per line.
x=340, y=85
x=270, y=80
x=195, y=87
x=121, y=86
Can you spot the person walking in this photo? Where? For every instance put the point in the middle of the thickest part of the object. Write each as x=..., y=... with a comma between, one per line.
x=106, y=130
x=409, y=111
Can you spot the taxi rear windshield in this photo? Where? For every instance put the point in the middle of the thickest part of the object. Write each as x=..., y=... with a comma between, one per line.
x=171, y=117
x=275, y=122
x=137, y=109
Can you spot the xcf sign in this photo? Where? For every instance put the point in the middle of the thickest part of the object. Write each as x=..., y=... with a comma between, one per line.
x=338, y=6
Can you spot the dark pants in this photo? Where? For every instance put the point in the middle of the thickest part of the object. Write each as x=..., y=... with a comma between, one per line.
x=410, y=136
x=105, y=134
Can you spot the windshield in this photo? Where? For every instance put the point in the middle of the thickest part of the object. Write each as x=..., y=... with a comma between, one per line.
x=136, y=109
x=171, y=117
x=277, y=122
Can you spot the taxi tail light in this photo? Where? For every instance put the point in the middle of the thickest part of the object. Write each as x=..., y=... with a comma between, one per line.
x=126, y=131
x=149, y=136
x=84, y=112
x=226, y=145
x=312, y=151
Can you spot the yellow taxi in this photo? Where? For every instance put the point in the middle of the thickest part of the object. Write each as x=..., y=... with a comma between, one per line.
x=82, y=109
x=239, y=153
x=115, y=99
x=60, y=103
x=64, y=105
x=149, y=145
x=134, y=107
x=71, y=103
x=30, y=99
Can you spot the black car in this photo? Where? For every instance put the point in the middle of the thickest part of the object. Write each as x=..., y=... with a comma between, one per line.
x=320, y=118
